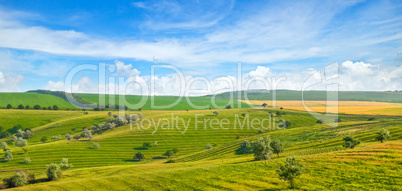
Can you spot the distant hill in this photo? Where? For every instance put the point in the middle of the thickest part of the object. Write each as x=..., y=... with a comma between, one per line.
x=393, y=97
x=31, y=99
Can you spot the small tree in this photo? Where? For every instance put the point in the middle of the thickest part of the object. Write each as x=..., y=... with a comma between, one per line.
x=319, y=121
x=264, y=105
x=208, y=146
x=28, y=134
x=44, y=139
x=243, y=115
x=277, y=147
x=382, y=135
x=155, y=144
x=21, y=142
x=20, y=106
x=19, y=179
x=146, y=145
x=228, y=106
x=96, y=145
x=68, y=136
x=64, y=165
x=244, y=147
x=175, y=150
x=110, y=114
x=49, y=108
x=4, y=146
x=20, y=133
x=262, y=149
x=215, y=113
x=8, y=156
x=138, y=156
x=55, y=107
x=53, y=171
x=27, y=160
x=9, y=106
x=350, y=142
x=76, y=137
x=27, y=107
x=290, y=171
x=37, y=107
x=281, y=108
x=87, y=134
x=168, y=153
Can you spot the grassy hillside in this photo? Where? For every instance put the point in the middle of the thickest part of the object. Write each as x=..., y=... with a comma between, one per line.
x=394, y=97
x=161, y=101
x=32, y=99
x=112, y=166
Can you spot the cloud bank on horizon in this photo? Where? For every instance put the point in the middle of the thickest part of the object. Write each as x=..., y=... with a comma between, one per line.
x=41, y=42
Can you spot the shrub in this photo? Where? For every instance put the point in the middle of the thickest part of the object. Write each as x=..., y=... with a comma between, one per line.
x=20, y=142
x=146, y=145
x=170, y=161
x=370, y=119
x=44, y=139
x=228, y=107
x=277, y=147
x=76, y=137
x=20, y=133
x=55, y=107
x=19, y=179
x=168, y=153
x=27, y=107
x=64, y=165
x=87, y=134
x=36, y=106
x=28, y=134
x=53, y=171
x=260, y=131
x=9, y=106
x=49, y=108
x=175, y=150
x=27, y=160
x=382, y=135
x=262, y=149
x=54, y=138
x=350, y=142
x=244, y=147
x=215, y=113
x=208, y=146
x=96, y=145
x=290, y=171
x=155, y=144
x=20, y=106
x=8, y=156
x=264, y=105
x=3, y=145
x=68, y=136
x=138, y=156
x=4, y=134
x=319, y=121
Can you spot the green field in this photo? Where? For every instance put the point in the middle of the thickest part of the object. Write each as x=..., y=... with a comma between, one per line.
x=32, y=99
x=370, y=166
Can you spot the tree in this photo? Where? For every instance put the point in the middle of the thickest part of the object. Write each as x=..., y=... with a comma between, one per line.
x=175, y=150
x=244, y=147
x=28, y=134
x=87, y=134
x=96, y=145
x=20, y=106
x=262, y=149
x=19, y=179
x=382, y=135
x=110, y=114
x=68, y=136
x=350, y=142
x=281, y=108
x=215, y=113
x=277, y=147
x=27, y=107
x=77, y=137
x=44, y=139
x=9, y=106
x=4, y=146
x=290, y=171
x=155, y=144
x=20, y=133
x=228, y=106
x=168, y=153
x=21, y=142
x=27, y=160
x=64, y=165
x=264, y=105
x=55, y=107
x=53, y=171
x=138, y=156
x=44, y=108
x=146, y=145
x=49, y=108
x=36, y=106
x=208, y=146
x=319, y=121
x=243, y=115
x=8, y=156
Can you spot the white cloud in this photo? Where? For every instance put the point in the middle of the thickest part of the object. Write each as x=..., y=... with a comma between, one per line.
x=54, y=86
x=9, y=83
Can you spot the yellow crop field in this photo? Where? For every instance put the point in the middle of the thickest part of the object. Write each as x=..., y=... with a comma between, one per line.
x=347, y=107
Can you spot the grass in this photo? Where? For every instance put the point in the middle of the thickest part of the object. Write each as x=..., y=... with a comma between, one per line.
x=32, y=99
x=319, y=146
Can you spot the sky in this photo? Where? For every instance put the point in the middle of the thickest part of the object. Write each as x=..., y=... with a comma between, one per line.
x=199, y=47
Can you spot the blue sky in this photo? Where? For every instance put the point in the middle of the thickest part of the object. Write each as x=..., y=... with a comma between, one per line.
x=40, y=41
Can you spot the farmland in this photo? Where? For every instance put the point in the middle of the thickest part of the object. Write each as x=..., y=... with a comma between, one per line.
x=319, y=146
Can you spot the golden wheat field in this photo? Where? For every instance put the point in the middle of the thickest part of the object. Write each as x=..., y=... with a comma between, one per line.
x=347, y=107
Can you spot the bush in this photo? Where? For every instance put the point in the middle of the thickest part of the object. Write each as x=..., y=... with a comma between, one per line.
x=68, y=136
x=370, y=119
x=319, y=121
x=28, y=134
x=350, y=142
x=277, y=147
x=44, y=139
x=382, y=135
x=27, y=107
x=208, y=146
x=87, y=134
x=27, y=160
x=170, y=161
x=155, y=144
x=20, y=142
x=175, y=150
x=37, y=107
x=8, y=156
x=138, y=156
x=262, y=149
x=9, y=106
x=53, y=171
x=19, y=179
x=215, y=113
x=64, y=165
x=55, y=107
x=49, y=108
x=76, y=137
x=290, y=171
x=96, y=145
x=168, y=153
x=4, y=134
x=146, y=145
x=4, y=146
x=20, y=106
x=244, y=147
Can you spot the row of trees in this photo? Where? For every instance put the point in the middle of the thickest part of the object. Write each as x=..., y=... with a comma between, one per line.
x=55, y=107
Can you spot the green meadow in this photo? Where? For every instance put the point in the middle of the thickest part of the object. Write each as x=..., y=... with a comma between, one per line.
x=370, y=166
